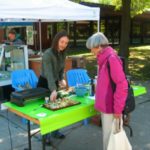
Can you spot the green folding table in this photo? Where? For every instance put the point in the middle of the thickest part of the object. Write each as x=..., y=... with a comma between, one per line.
x=138, y=90
x=49, y=120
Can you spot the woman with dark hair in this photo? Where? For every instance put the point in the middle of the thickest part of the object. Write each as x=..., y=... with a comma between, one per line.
x=53, y=63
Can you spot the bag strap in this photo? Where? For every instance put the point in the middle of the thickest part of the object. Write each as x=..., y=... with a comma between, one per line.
x=130, y=128
x=125, y=117
x=113, y=85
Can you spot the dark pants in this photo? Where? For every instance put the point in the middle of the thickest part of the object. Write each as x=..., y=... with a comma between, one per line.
x=44, y=84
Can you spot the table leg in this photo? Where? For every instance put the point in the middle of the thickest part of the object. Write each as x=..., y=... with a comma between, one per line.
x=29, y=135
x=29, y=139
x=43, y=142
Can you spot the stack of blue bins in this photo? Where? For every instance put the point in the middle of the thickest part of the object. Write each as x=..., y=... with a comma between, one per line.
x=78, y=78
x=22, y=79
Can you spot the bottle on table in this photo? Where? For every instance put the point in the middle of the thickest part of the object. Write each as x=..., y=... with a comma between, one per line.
x=92, y=88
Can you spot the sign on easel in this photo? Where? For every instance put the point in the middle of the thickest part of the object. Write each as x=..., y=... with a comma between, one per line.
x=1, y=56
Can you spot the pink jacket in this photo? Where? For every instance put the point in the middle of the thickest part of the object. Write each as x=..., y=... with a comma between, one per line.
x=106, y=101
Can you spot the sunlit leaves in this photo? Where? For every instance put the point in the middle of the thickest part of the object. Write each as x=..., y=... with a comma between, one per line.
x=137, y=6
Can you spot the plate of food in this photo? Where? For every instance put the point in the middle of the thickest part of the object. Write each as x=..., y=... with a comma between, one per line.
x=61, y=103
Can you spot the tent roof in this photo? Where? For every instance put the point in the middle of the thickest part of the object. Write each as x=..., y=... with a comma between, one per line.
x=46, y=10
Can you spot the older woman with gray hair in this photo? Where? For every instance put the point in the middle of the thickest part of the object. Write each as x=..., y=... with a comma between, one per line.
x=107, y=101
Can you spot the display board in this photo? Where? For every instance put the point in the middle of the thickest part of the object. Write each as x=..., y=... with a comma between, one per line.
x=13, y=57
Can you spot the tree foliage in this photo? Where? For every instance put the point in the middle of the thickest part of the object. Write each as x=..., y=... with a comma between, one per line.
x=130, y=8
x=137, y=6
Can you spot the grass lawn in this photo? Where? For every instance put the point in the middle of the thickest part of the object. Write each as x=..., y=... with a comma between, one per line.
x=139, y=62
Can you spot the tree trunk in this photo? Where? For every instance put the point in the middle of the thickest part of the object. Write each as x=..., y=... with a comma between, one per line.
x=125, y=31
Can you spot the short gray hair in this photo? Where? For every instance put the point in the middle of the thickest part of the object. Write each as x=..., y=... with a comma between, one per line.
x=96, y=40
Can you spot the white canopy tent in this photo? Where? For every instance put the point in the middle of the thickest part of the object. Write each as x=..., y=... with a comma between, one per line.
x=49, y=10
x=46, y=11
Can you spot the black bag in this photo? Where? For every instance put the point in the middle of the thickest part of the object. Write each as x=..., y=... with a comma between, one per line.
x=130, y=101
x=129, y=105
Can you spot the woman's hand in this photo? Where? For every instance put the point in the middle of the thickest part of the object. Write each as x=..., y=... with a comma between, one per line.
x=62, y=83
x=53, y=96
x=117, y=116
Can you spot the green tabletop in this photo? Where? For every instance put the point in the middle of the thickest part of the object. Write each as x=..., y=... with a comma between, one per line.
x=53, y=120
x=139, y=90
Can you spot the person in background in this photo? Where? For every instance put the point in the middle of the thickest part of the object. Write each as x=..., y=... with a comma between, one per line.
x=12, y=40
x=52, y=72
x=110, y=103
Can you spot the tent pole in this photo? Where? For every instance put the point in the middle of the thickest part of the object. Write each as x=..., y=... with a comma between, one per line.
x=40, y=39
x=98, y=25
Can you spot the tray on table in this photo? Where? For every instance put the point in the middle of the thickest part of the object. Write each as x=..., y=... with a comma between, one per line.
x=60, y=104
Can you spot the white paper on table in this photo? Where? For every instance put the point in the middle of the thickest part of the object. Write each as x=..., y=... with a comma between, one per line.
x=91, y=97
x=42, y=114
